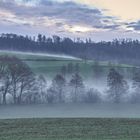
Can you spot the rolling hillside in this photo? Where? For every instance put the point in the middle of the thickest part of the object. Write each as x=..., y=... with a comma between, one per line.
x=50, y=64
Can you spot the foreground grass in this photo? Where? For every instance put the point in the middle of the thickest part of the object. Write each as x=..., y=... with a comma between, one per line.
x=70, y=129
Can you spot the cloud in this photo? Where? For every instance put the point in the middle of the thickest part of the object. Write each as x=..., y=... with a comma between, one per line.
x=69, y=13
x=111, y=27
x=64, y=17
x=134, y=25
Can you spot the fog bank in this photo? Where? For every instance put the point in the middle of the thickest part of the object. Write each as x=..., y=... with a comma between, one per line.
x=71, y=111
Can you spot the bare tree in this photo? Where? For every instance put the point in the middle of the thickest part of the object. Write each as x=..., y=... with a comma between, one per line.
x=4, y=77
x=136, y=86
x=117, y=86
x=22, y=79
x=77, y=86
x=58, y=84
x=42, y=87
x=51, y=95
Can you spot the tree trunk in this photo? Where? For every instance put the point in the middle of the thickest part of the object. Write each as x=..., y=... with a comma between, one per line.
x=4, y=99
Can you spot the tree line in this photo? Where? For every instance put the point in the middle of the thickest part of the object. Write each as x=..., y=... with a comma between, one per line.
x=120, y=50
x=19, y=85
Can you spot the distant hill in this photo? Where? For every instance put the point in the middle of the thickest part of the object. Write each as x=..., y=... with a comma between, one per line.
x=121, y=51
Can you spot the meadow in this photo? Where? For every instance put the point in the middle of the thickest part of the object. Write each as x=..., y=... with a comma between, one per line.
x=49, y=65
x=70, y=129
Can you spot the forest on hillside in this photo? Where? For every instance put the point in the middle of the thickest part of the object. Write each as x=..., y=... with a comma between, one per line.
x=119, y=50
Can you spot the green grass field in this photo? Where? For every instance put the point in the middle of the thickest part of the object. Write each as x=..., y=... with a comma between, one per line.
x=50, y=66
x=70, y=129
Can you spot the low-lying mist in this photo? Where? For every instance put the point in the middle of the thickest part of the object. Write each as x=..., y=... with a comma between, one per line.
x=40, y=54
x=74, y=90
x=103, y=110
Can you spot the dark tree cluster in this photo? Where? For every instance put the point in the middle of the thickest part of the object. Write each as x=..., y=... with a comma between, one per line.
x=16, y=79
x=19, y=85
x=117, y=86
x=120, y=50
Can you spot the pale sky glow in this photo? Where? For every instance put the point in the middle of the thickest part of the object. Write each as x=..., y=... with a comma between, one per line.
x=97, y=19
x=78, y=28
x=123, y=9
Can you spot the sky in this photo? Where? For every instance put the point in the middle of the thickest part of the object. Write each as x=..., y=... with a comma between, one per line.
x=95, y=19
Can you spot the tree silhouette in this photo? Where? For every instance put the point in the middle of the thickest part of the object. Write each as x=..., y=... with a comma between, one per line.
x=136, y=86
x=42, y=87
x=76, y=83
x=5, y=77
x=22, y=79
x=117, y=85
x=58, y=85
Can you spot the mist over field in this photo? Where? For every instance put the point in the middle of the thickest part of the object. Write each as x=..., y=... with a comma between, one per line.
x=56, y=96
x=71, y=111
x=37, y=54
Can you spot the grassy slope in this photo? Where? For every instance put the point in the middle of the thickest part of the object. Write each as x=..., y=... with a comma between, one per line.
x=50, y=66
x=70, y=129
